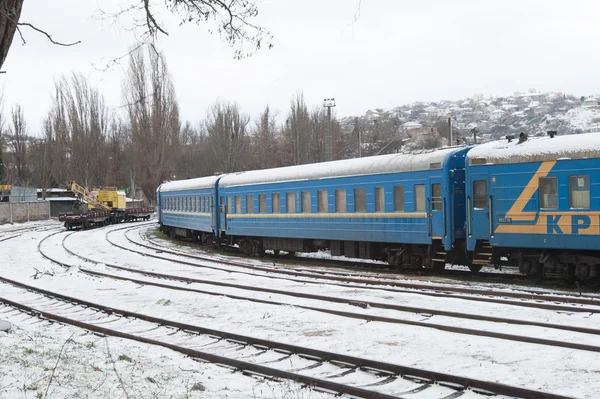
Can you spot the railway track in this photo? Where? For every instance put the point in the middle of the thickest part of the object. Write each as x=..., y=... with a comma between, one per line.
x=376, y=266
x=340, y=300
x=18, y=232
x=534, y=299
x=318, y=369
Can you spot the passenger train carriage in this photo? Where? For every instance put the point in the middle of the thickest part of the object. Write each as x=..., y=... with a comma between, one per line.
x=397, y=206
x=186, y=208
x=531, y=203
x=536, y=203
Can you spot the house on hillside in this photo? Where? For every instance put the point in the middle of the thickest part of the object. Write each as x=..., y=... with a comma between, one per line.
x=496, y=114
x=590, y=102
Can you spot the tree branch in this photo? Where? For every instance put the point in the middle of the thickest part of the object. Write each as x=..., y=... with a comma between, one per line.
x=46, y=34
x=150, y=21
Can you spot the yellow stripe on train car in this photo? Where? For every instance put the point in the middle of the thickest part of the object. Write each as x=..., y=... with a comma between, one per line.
x=347, y=215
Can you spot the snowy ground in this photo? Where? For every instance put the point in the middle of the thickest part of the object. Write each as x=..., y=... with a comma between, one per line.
x=127, y=369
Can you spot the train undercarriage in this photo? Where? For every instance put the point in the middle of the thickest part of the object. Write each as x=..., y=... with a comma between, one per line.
x=85, y=220
x=535, y=264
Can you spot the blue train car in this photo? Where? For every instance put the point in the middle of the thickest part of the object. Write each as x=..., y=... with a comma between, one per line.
x=186, y=208
x=405, y=208
x=535, y=203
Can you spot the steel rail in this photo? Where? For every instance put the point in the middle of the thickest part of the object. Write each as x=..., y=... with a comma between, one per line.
x=463, y=382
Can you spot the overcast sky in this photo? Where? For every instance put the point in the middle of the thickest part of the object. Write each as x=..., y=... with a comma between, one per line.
x=396, y=52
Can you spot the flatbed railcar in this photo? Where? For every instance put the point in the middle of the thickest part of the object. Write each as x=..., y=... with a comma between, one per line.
x=89, y=218
x=535, y=204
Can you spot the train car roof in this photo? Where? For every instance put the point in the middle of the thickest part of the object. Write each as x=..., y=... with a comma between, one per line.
x=536, y=149
x=189, y=184
x=422, y=160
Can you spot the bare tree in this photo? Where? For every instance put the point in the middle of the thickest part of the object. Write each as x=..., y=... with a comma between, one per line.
x=196, y=155
x=18, y=146
x=227, y=130
x=76, y=130
x=232, y=20
x=1, y=137
x=297, y=130
x=119, y=164
x=153, y=117
x=267, y=143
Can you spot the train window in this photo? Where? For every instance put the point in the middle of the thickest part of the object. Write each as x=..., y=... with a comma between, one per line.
x=340, y=200
x=436, y=197
x=480, y=194
x=290, y=203
x=548, y=192
x=379, y=199
x=238, y=204
x=360, y=200
x=579, y=192
x=275, y=203
x=305, y=201
x=322, y=201
x=249, y=203
x=193, y=204
x=229, y=207
x=262, y=203
x=398, y=198
x=419, y=198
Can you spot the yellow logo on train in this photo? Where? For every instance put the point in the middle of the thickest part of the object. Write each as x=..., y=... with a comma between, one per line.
x=553, y=222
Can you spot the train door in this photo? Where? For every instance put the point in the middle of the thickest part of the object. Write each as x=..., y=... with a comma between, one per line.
x=435, y=209
x=479, y=217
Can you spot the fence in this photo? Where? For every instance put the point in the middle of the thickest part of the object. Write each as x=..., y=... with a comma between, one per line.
x=17, y=212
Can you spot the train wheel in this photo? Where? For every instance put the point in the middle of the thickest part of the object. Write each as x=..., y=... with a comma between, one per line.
x=593, y=282
x=536, y=277
x=475, y=268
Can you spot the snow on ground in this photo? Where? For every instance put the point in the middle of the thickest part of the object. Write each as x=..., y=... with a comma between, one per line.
x=557, y=370
x=52, y=361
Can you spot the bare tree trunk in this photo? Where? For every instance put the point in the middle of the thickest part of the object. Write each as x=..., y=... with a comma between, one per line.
x=18, y=145
x=10, y=12
x=153, y=115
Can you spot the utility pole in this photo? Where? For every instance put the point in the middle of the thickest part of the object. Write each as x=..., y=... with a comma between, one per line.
x=450, y=130
x=329, y=103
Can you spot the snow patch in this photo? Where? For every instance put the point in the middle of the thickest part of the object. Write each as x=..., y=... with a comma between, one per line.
x=391, y=163
x=537, y=149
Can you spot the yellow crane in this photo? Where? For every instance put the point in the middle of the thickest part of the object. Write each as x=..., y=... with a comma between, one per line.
x=85, y=195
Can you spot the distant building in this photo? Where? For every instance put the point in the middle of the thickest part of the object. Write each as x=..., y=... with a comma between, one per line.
x=496, y=114
x=60, y=199
x=10, y=193
x=590, y=102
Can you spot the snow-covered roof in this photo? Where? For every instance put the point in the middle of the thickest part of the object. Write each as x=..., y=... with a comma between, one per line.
x=412, y=125
x=53, y=190
x=391, y=163
x=189, y=184
x=536, y=149
x=61, y=199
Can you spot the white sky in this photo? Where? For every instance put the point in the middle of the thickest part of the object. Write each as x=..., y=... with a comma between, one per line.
x=397, y=52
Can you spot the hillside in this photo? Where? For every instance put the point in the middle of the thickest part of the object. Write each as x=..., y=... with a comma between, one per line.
x=489, y=117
